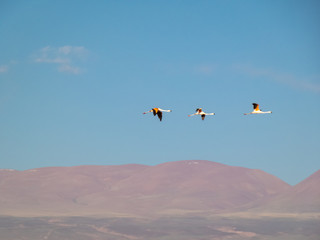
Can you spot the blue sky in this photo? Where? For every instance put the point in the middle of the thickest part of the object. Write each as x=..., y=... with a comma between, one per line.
x=76, y=76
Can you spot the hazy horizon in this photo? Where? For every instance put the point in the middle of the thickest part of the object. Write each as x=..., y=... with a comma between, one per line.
x=105, y=165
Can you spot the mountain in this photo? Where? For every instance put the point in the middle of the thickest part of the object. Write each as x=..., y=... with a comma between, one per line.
x=54, y=190
x=168, y=188
x=301, y=198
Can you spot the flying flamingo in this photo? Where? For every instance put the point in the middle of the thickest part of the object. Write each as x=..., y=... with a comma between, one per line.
x=200, y=112
x=256, y=110
x=158, y=111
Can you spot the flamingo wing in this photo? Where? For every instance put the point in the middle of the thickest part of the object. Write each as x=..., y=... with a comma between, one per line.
x=159, y=113
x=256, y=106
x=155, y=111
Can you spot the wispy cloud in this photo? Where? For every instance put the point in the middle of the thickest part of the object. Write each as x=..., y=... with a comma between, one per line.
x=311, y=84
x=4, y=68
x=205, y=69
x=66, y=58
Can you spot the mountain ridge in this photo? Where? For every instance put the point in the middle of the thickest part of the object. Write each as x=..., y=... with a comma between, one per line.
x=187, y=186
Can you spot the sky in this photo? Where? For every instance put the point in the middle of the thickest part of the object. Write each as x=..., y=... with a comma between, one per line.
x=76, y=76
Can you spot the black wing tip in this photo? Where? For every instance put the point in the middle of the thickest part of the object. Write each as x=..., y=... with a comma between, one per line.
x=159, y=115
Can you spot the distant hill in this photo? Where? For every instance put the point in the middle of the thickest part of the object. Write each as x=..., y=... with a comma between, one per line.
x=301, y=198
x=168, y=188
